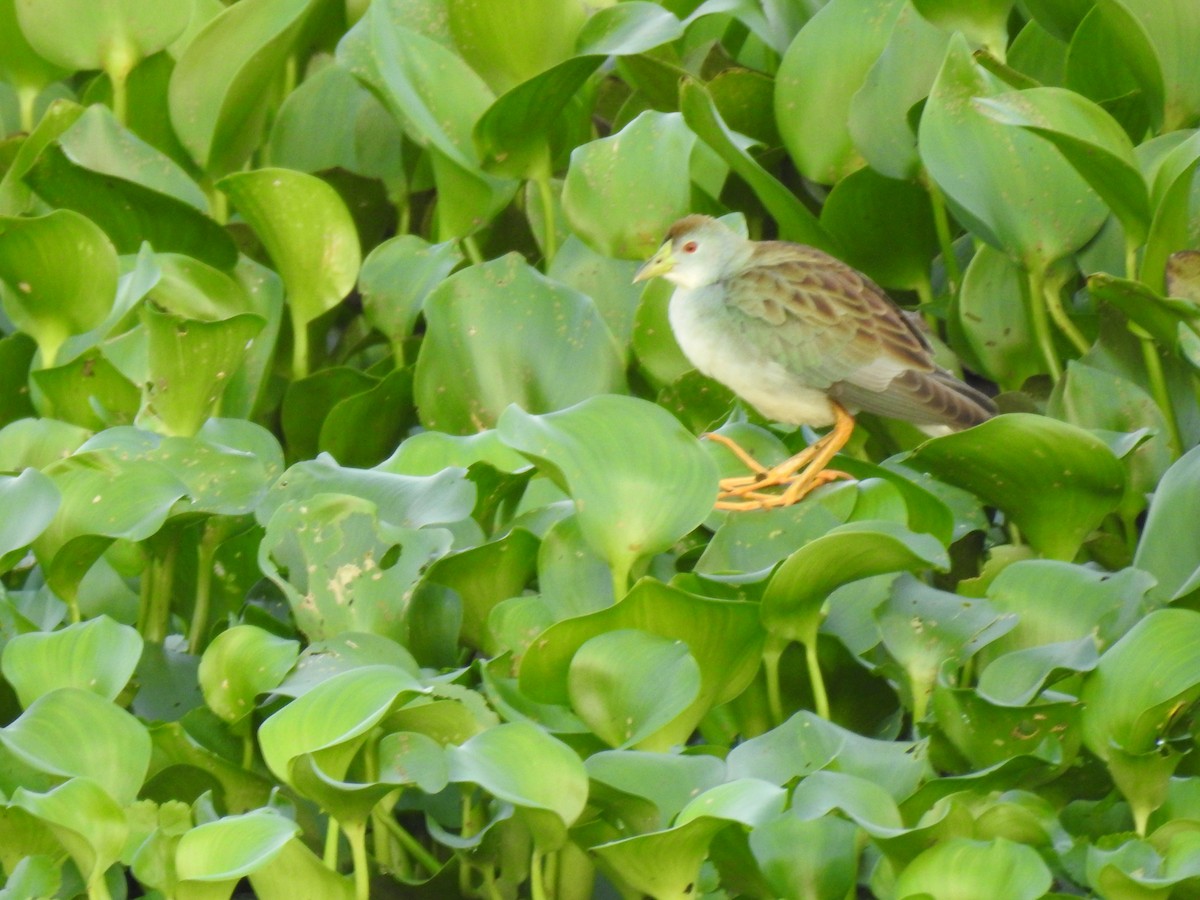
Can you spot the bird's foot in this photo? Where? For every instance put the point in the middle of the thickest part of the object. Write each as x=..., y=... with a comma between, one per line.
x=748, y=497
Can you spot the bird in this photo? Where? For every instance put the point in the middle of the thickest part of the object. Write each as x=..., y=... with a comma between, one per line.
x=805, y=339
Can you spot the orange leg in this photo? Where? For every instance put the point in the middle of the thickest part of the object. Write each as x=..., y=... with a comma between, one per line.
x=798, y=475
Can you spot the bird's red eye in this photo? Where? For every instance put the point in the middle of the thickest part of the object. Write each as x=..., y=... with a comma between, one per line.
x=690, y=247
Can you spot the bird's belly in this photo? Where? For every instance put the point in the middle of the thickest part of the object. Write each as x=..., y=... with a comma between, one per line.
x=709, y=338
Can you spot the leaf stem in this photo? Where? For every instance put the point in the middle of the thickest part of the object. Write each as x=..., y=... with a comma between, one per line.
x=26, y=103
x=1041, y=323
x=549, y=224
x=1158, y=387
x=471, y=248
x=206, y=551
x=1052, y=289
x=820, y=697
x=299, y=348
x=332, y=830
x=772, y=653
x=414, y=847
x=537, y=888
x=356, y=834
x=941, y=224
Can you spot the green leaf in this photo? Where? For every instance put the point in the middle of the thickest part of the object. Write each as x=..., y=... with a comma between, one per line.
x=798, y=856
x=1008, y=187
x=962, y=866
x=395, y=279
x=240, y=664
x=510, y=41
x=878, y=116
x=818, y=77
x=37, y=498
x=628, y=685
x=984, y=22
x=98, y=655
x=628, y=28
x=1055, y=481
x=792, y=604
x=438, y=99
x=884, y=227
x=1132, y=699
x=662, y=863
x=724, y=637
x=21, y=66
x=220, y=94
x=333, y=719
x=1090, y=139
x=78, y=34
x=60, y=277
x=312, y=240
x=639, y=480
x=480, y=324
x=1163, y=549
x=232, y=847
x=623, y=192
x=88, y=391
x=341, y=568
x=521, y=764
x=57, y=735
x=128, y=188
x=88, y=823
x=994, y=320
x=796, y=223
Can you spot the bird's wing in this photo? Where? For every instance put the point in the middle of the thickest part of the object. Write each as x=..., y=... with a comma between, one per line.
x=828, y=322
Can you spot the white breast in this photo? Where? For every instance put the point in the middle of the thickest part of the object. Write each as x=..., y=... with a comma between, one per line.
x=707, y=333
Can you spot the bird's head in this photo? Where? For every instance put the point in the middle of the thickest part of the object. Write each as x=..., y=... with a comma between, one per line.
x=698, y=251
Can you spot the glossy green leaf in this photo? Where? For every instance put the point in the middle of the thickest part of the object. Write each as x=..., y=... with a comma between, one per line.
x=59, y=275
x=669, y=781
x=56, y=735
x=396, y=278
x=98, y=655
x=1090, y=139
x=724, y=637
x=884, y=227
x=438, y=99
x=795, y=221
x=480, y=323
x=1154, y=39
x=961, y=865
x=984, y=23
x=1162, y=550
x=132, y=191
x=521, y=764
x=333, y=719
x=997, y=180
x=1171, y=196
x=190, y=362
x=310, y=236
x=232, y=847
x=512, y=136
x=22, y=67
x=819, y=75
x=623, y=192
x=36, y=497
x=878, y=115
x=341, y=568
x=792, y=604
x=1131, y=701
x=638, y=479
x=240, y=664
x=38, y=442
x=89, y=391
x=994, y=319
x=510, y=41
x=76, y=34
x=219, y=92
x=332, y=121
x=797, y=856
x=628, y=686
x=1056, y=481
x=88, y=823
x=608, y=281
x=628, y=28
x=662, y=863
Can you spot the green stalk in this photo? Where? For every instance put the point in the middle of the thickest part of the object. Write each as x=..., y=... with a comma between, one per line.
x=941, y=224
x=1158, y=387
x=414, y=847
x=26, y=102
x=97, y=888
x=537, y=889
x=549, y=224
x=471, y=248
x=772, y=653
x=299, y=349
x=1052, y=289
x=1041, y=323
x=155, y=616
x=820, y=697
x=206, y=552
x=332, y=830
x=356, y=834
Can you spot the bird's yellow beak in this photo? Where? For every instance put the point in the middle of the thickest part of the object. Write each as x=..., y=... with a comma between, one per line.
x=660, y=263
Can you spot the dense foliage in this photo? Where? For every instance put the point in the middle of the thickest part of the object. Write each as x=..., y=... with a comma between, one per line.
x=355, y=532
